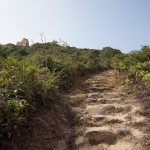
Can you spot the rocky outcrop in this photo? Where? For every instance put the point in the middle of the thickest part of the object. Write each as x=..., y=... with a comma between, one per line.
x=24, y=42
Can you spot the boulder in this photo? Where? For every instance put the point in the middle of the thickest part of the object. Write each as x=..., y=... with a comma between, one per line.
x=97, y=135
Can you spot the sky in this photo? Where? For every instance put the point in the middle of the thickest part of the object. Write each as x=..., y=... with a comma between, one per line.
x=121, y=24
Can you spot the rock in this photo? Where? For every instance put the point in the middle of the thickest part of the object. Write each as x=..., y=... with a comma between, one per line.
x=119, y=109
x=108, y=119
x=98, y=85
x=108, y=101
x=110, y=95
x=93, y=95
x=96, y=118
x=79, y=141
x=113, y=100
x=100, y=89
x=97, y=135
x=93, y=109
x=102, y=100
x=89, y=100
x=107, y=109
x=114, y=119
x=102, y=79
x=90, y=82
x=24, y=42
x=103, y=109
x=123, y=131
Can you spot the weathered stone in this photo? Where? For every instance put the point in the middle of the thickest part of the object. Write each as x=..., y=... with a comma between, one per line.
x=114, y=119
x=113, y=100
x=96, y=118
x=89, y=100
x=93, y=109
x=108, y=101
x=90, y=82
x=110, y=95
x=79, y=141
x=108, y=119
x=107, y=109
x=99, y=85
x=100, y=89
x=103, y=109
x=122, y=131
x=93, y=95
x=119, y=109
x=97, y=135
x=24, y=42
x=102, y=100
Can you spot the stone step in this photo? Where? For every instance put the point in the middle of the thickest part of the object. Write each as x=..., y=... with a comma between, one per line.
x=104, y=109
x=99, y=85
x=98, y=135
x=109, y=101
x=100, y=77
x=91, y=100
x=87, y=83
x=103, y=100
x=94, y=95
x=108, y=119
x=99, y=89
x=111, y=95
x=96, y=81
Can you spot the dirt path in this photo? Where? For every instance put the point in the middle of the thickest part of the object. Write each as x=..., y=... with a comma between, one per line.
x=106, y=117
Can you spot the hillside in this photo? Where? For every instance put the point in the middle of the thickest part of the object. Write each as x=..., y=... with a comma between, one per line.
x=61, y=98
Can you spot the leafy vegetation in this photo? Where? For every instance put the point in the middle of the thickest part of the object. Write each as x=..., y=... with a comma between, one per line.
x=134, y=71
x=137, y=65
x=31, y=77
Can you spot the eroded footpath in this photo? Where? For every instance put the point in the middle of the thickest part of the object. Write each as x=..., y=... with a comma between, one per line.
x=107, y=118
